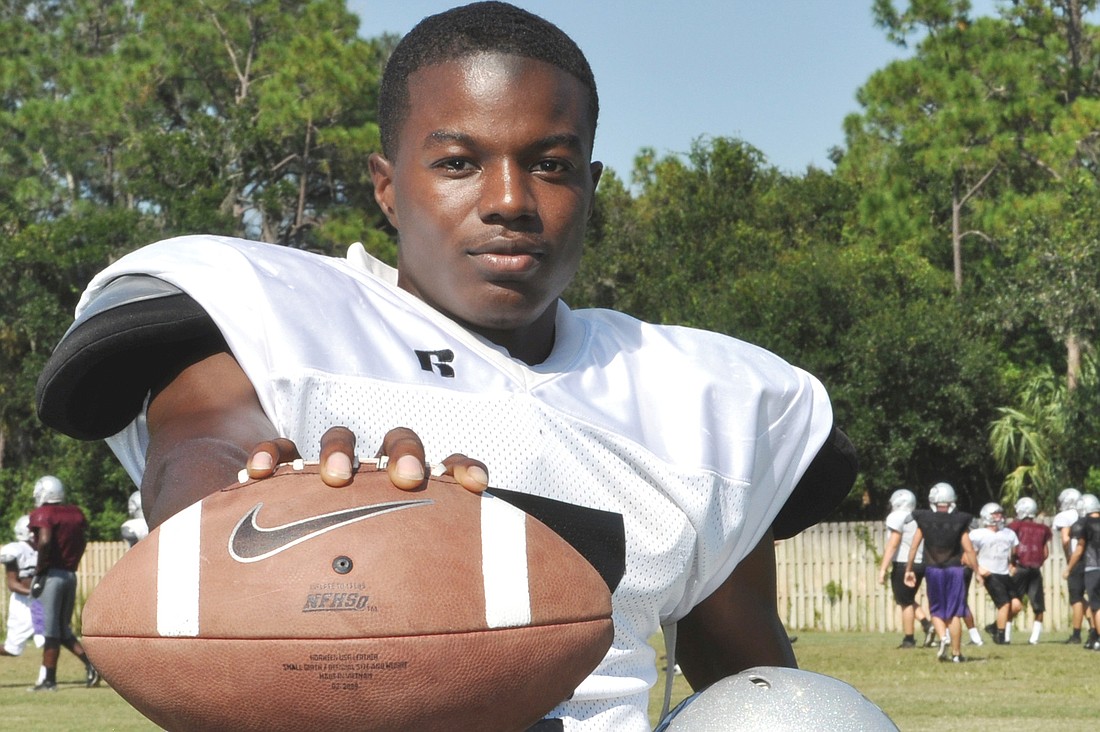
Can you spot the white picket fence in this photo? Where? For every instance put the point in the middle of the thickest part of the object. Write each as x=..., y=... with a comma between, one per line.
x=827, y=579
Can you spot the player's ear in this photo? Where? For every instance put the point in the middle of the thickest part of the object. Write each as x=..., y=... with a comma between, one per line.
x=381, y=173
x=596, y=170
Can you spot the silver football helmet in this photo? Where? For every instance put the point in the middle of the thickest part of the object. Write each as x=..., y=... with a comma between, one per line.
x=903, y=499
x=992, y=515
x=1068, y=498
x=1026, y=508
x=22, y=528
x=1087, y=504
x=48, y=489
x=942, y=493
x=778, y=700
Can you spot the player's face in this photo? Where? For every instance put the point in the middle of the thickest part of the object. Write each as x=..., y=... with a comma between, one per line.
x=490, y=190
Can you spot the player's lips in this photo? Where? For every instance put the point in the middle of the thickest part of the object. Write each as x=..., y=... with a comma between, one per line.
x=508, y=255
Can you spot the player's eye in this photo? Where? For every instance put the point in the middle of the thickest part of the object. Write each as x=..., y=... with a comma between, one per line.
x=455, y=165
x=552, y=166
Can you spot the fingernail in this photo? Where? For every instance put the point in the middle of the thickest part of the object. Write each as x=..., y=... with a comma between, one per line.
x=478, y=474
x=409, y=468
x=338, y=465
x=261, y=461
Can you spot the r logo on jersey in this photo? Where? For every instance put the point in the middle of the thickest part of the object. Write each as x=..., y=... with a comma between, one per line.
x=437, y=360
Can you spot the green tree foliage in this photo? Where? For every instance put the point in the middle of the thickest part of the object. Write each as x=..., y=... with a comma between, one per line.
x=1050, y=438
x=978, y=153
x=125, y=122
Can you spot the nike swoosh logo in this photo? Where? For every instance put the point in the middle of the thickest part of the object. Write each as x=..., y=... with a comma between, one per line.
x=251, y=542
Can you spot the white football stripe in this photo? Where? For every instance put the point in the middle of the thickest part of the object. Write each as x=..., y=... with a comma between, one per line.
x=504, y=564
x=178, y=574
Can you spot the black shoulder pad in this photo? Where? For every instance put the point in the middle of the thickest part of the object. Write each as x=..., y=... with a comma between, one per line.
x=825, y=484
x=137, y=335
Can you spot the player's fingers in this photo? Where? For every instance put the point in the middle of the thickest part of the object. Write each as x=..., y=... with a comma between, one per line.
x=267, y=455
x=471, y=474
x=406, y=458
x=337, y=456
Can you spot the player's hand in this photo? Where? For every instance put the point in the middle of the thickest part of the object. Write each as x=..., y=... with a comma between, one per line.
x=403, y=448
x=910, y=578
x=882, y=577
x=37, y=585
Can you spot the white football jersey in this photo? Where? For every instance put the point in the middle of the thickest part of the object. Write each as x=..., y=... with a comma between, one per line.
x=1064, y=520
x=994, y=548
x=22, y=555
x=694, y=438
x=903, y=523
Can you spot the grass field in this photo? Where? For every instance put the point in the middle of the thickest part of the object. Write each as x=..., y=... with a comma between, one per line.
x=1050, y=686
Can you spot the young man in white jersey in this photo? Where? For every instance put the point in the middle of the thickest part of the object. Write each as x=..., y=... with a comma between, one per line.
x=900, y=529
x=704, y=447
x=996, y=545
x=19, y=559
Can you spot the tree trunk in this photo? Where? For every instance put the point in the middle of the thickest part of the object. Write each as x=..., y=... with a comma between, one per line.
x=1073, y=361
x=956, y=234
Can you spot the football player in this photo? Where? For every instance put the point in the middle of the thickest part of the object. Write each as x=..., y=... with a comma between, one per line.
x=1032, y=552
x=709, y=448
x=1087, y=552
x=900, y=528
x=19, y=558
x=996, y=545
x=943, y=533
x=1075, y=582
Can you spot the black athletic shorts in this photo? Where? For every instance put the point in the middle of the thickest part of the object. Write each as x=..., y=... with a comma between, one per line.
x=1000, y=588
x=1075, y=583
x=904, y=595
x=1029, y=584
x=1092, y=587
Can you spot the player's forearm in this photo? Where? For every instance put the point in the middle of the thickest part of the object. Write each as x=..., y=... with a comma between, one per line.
x=202, y=428
x=17, y=585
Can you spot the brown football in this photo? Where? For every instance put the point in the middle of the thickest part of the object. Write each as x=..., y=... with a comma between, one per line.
x=284, y=604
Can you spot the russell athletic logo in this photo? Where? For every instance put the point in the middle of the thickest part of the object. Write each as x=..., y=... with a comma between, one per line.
x=251, y=542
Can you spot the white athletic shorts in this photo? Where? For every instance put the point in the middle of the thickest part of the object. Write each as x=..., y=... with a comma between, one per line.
x=20, y=625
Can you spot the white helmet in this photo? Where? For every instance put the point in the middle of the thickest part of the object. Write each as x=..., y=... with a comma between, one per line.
x=777, y=699
x=1087, y=504
x=48, y=489
x=1026, y=508
x=903, y=499
x=134, y=505
x=22, y=528
x=1067, y=499
x=941, y=493
x=993, y=515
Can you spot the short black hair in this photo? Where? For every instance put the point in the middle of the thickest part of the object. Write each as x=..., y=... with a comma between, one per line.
x=483, y=27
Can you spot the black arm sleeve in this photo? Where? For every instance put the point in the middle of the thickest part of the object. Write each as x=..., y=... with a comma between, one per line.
x=137, y=336
x=824, y=485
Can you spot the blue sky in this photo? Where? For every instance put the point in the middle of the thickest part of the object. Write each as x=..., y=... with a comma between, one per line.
x=779, y=74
